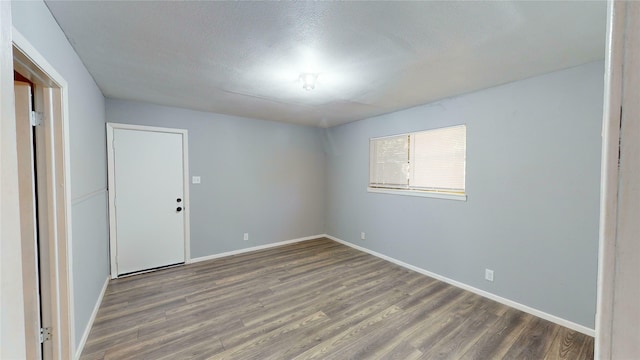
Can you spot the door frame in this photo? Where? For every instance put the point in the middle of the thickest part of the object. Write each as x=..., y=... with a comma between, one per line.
x=617, y=323
x=113, y=243
x=56, y=153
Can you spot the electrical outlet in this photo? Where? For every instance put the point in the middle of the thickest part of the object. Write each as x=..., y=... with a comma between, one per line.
x=195, y=180
x=488, y=274
x=246, y=236
x=362, y=236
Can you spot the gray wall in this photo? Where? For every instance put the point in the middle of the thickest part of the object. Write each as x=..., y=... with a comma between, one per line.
x=260, y=177
x=90, y=263
x=533, y=171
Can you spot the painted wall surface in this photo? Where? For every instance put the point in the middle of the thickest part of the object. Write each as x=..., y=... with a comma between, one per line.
x=261, y=177
x=532, y=179
x=88, y=156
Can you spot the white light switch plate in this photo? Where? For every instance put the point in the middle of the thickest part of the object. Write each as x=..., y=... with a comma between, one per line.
x=195, y=180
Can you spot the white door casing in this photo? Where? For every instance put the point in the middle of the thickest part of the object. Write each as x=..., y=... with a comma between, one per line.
x=148, y=173
x=54, y=208
x=618, y=308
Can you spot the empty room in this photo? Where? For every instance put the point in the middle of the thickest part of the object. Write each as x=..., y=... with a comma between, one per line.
x=320, y=180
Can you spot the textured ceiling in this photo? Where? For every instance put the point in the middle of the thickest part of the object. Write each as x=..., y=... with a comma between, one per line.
x=245, y=58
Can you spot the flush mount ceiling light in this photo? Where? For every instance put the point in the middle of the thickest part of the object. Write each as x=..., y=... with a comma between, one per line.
x=308, y=81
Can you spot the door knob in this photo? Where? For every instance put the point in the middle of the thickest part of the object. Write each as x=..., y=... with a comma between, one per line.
x=179, y=209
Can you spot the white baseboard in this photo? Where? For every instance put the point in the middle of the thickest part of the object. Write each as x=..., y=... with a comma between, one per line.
x=87, y=329
x=254, y=248
x=541, y=314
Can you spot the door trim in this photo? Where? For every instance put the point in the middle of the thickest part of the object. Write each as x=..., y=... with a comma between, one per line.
x=113, y=244
x=28, y=61
x=617, y=323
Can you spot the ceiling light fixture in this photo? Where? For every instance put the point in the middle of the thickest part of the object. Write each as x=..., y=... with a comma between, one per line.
x=308, y=81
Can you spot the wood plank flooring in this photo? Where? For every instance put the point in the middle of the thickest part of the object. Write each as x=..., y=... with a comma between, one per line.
x=313, y=300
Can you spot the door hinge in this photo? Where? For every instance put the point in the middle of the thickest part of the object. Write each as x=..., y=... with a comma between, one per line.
x=45, y=334
x=36, y=118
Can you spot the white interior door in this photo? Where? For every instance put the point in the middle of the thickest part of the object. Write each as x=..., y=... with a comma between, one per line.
x=148, y=186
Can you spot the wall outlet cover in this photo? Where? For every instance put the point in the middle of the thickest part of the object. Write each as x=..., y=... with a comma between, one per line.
x=488, y=274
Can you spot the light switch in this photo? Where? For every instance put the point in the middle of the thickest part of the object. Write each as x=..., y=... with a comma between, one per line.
x=195, y=180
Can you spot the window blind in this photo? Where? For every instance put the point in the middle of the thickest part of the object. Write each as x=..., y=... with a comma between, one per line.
x=389, y=161
x=438, y=159
x=432, y=160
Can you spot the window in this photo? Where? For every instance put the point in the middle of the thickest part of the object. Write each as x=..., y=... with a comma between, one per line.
x=427, y=163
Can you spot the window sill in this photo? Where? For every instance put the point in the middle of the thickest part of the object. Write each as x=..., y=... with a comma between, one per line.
x=429, y=194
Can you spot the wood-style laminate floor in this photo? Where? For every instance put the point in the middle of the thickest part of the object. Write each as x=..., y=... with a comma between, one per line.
x=313, y=300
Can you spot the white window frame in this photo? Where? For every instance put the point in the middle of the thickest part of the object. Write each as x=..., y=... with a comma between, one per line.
x=430, y=193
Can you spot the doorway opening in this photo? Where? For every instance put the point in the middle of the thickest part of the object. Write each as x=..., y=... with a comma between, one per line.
x=45, y=219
